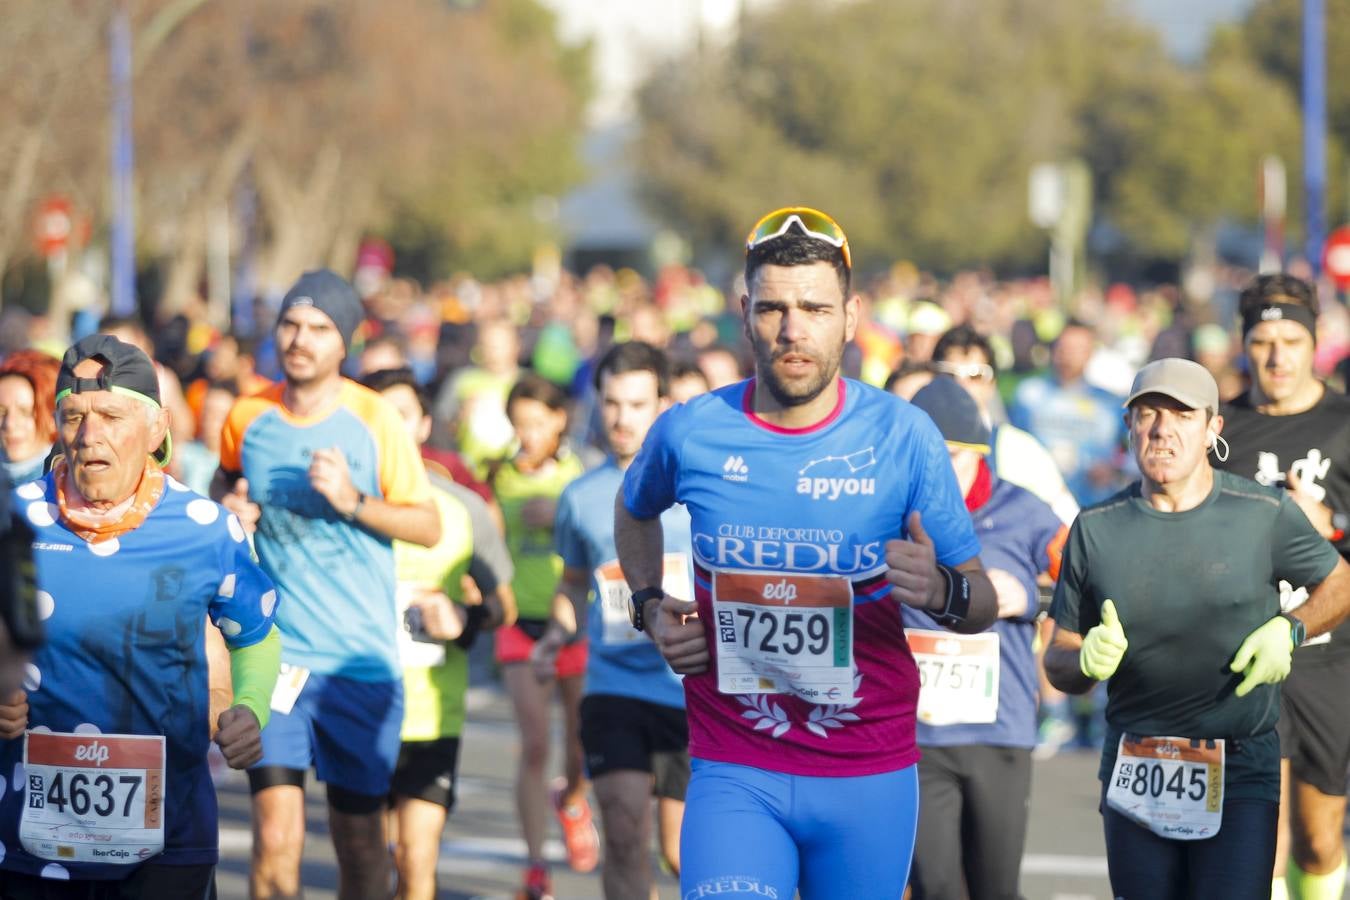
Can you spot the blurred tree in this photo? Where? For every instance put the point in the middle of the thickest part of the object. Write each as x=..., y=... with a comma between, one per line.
x=917, y=121
x=434, y=121
x=1272, y=34
x=53, y=88
x=1273, y=30
x=409, y=117
x=1197, y=160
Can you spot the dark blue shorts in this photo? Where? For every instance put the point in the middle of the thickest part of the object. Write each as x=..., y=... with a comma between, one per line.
x=347, y=730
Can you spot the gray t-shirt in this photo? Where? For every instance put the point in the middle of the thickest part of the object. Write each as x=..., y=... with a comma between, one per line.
x=490, y=566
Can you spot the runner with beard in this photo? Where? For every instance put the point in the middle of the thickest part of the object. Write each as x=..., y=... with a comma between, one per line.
x=818, y=506
x=633, y=728
x=1289, y=430
x=325, y=470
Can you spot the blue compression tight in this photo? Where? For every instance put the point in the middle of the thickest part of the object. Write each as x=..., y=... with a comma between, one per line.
x=753, y=833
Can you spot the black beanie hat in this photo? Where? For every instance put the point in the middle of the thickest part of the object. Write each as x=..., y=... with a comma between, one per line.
x=955, y=413
x=330, y=294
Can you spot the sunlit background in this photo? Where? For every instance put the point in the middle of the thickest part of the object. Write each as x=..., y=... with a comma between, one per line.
x=1105, y=140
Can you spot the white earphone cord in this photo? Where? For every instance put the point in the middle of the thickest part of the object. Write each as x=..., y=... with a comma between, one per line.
x=1220, y=453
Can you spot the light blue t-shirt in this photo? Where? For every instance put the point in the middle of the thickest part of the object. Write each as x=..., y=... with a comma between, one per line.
x=1080, y=425
x=336, y=578
x=622, y=661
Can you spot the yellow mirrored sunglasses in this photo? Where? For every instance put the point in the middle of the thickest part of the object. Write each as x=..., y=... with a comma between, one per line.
x=812, y=222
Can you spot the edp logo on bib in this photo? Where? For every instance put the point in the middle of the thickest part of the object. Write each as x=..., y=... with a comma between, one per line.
x=95, y=753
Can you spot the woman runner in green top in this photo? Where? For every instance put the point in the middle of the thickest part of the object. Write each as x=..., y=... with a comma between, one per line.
x=527, y=486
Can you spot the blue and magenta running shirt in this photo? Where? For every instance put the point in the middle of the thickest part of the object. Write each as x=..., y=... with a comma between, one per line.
x=336, y=579
x=810, y=673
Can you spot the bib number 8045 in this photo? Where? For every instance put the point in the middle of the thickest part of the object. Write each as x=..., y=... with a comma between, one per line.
x=1152, y=780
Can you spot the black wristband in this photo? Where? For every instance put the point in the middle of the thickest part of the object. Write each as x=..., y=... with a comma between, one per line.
x=958, y=598
x=474, y=617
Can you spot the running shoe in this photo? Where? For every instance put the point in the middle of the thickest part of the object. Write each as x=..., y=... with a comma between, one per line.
x=538, y=886
x=1052, y=735
x=578, y=828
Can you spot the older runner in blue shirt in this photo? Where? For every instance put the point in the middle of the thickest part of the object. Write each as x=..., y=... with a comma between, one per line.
x=107, y=741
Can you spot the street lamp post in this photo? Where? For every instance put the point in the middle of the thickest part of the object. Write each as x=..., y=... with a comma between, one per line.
x=123, y=218
x=1315, y=127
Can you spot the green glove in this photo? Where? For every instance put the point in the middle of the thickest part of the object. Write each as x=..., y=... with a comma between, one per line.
x=1103, y=646
x=1265, y=655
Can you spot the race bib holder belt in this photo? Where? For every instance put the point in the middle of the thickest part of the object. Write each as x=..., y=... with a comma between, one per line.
x=958, y=598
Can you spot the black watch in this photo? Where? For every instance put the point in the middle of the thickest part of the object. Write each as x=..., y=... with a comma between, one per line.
x=638, y=601
x=1298, y=632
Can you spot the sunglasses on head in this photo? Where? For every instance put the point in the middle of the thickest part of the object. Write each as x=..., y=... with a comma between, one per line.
x=812, y=222
x=974, y=371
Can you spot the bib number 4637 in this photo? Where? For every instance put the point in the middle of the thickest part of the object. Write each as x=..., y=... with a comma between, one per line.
x=93, y=798
x=84, y=794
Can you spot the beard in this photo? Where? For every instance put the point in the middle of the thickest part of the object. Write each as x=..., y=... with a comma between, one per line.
x=795, y=391
x=623, y=446
x=303, y=370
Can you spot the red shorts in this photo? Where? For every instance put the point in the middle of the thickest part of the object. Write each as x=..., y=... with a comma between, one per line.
x=514, y=646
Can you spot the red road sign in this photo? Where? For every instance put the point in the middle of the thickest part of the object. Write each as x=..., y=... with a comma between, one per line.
x=1336, y=257
x=54, y=225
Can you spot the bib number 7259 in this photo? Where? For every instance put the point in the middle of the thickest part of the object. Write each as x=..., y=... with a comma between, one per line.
x=790, y=633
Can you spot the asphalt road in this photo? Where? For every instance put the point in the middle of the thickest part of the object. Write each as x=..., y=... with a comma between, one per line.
x=482, y=854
